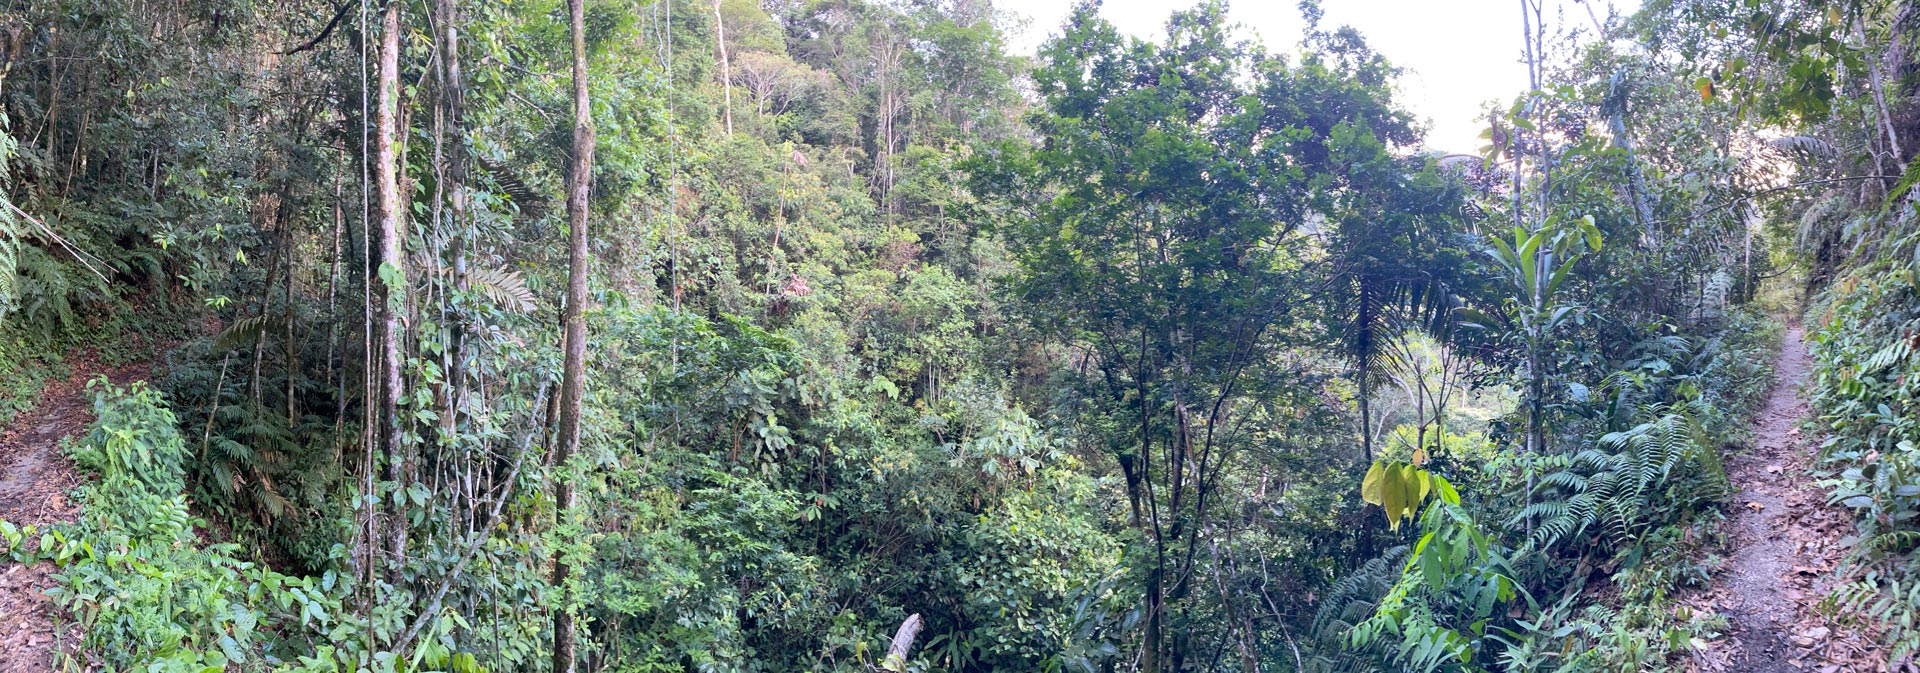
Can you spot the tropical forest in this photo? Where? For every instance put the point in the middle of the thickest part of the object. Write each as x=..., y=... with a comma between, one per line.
x=855, y=336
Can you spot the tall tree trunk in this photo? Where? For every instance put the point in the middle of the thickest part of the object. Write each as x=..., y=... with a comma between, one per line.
x=292, y=364
x=266, y=305
x=573, y=376
x=392, y=270
x=333, y=288
x=1363, y=355
x=1155, y=635
x=1879, y=92
x=726, y=64
x=453, y=97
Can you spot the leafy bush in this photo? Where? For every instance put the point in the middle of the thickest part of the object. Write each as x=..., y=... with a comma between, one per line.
x=1637, y=496
x=1626, y=484
x=145, y=592
x=1866, y=392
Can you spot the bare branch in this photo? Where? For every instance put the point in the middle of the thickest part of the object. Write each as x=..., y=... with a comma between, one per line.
x=324, y=32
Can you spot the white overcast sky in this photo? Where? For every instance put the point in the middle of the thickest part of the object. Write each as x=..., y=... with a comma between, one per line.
x=1457, y=54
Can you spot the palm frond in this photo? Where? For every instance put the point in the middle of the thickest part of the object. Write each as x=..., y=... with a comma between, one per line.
x=244, y=330
x=505, y=287
x=1808, y=146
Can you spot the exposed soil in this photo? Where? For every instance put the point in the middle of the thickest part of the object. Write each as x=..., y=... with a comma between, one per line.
x=1784, y=550
x=33, y=490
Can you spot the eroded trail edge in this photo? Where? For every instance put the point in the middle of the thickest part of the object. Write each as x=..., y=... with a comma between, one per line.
x=33, y=491
x=1784, y=547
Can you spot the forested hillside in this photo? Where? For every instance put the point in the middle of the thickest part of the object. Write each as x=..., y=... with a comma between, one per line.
x=837, y=335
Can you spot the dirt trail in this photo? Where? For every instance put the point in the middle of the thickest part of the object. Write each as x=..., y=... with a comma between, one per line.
x=1784, y=548
x=33, y=490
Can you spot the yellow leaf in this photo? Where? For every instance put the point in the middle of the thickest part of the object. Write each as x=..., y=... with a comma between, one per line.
x=1393, y=495
x=1370, y=485
x=1417, y=487
x=1413, y=485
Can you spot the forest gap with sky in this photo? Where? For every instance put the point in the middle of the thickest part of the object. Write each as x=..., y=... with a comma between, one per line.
x=1457, y=60
x=959, y=336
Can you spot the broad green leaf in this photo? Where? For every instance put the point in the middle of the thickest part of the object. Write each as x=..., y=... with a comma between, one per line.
x=1431, y=569
x=1446, y=490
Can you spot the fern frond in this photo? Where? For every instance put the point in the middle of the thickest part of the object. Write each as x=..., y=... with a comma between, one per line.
x=505, y=287
x=1803, y=145
x=244, y=330
x=1895, y=542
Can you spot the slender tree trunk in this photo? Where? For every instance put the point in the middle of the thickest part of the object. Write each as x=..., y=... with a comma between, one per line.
x=453, y=93
x=391, y=272
x=1365, y=326
x=1155, y=635
x=1879, y=93
x=266, y=305
x=1531, y=30
x=219, y=386
x=573, y=376
x=1537, y=354
x=1746, y=254
x=1156, y=627
x=333, y=288
x=292, y=364
x=726, y=64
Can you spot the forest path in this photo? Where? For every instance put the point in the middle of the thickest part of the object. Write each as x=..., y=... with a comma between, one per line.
x=1784, y=547
x=33, y=490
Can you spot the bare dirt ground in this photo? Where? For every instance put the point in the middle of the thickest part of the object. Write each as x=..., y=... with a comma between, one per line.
x=1784, y=550
x=33, y=490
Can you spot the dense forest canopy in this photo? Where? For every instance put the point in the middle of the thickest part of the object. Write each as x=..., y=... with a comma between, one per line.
x=833, y=335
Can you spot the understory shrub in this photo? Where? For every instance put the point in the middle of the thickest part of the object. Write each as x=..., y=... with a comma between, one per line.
x=146, y=593
x=1635, y=497
x=1865, y=392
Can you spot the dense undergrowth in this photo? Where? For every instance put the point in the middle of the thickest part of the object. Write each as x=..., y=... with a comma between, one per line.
x=146, y=592
x=38, y=352
x=1865, y=393
x=1636, y=504
x=1159, y=355
x=1621, y=522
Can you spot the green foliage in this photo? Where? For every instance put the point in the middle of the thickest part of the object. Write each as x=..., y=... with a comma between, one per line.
x=1629, y=483
x=1087, y=378
x=1400, y=488
x=1436, y=616
x=1885, y=601
x=1038, y=552
x=36, y=354
x=1863, y=391
x=1783, y=60
x=145, y=592
x=135, y=446
x=1640, y=501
